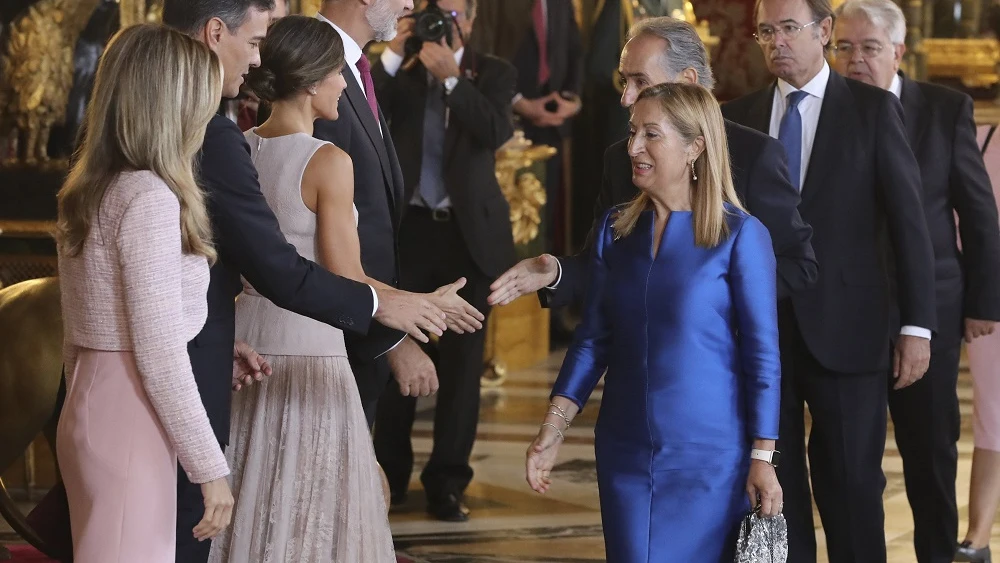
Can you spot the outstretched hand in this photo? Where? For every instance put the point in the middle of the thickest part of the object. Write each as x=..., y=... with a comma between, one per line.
x=527, y=276
x=460, y=316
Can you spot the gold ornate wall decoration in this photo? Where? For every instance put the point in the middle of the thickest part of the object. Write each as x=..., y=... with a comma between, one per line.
x=524, y=192
x=973, y=61
x=37, y=64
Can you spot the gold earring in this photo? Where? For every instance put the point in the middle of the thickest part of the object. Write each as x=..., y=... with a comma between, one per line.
x=694, y=176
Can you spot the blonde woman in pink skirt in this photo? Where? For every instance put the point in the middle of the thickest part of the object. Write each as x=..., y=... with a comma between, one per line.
x=984, y=362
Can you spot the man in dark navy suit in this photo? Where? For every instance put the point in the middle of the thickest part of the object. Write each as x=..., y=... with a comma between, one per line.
x=869, y=36
x=668, y=50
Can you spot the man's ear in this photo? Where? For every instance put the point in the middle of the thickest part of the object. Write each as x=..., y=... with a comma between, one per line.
x=212, y=32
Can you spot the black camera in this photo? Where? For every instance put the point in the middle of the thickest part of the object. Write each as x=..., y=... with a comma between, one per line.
x=430, y=24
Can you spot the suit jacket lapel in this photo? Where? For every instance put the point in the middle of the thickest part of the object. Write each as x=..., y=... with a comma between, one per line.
x=836, y=109
x=760, y=111
x=360, y=104
x=913, y=111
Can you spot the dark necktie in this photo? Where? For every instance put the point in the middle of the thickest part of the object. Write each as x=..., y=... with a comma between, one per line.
x=432, y=189
x=790, y=136
x=365, y=69
x=541, y=33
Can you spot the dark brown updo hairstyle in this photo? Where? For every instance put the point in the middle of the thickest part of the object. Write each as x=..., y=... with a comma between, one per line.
x=297, y=53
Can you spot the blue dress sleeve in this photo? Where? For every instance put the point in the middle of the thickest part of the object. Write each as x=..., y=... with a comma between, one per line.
x=587, y=357
x=754, y=290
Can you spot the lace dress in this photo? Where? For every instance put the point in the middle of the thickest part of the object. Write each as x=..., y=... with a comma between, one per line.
x=304, y=474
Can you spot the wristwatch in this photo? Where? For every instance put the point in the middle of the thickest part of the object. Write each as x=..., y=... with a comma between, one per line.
x=770, y=456
x=450, y=83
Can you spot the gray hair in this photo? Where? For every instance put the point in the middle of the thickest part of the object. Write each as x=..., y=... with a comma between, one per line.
x=884, y=14
x=684, y=46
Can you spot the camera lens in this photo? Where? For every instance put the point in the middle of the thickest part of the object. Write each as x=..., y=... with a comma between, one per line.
x=430, y=26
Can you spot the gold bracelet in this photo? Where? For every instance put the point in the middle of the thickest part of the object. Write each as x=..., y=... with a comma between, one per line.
x=556, y=428
x=566, y=420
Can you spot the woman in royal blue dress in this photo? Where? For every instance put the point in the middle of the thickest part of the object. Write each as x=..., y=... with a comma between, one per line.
x=681, y=312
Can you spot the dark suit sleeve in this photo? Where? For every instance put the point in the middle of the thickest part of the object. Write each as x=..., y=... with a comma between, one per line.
x=386, y=89
x=573, y=286
x=972, y=193
x=773, y=200
x=484, y=110
x=900, y=187
x=574, y=62
x=248, y=236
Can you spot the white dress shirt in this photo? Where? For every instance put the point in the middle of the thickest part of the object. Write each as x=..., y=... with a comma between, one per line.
x=809, y=109
x=896, y=87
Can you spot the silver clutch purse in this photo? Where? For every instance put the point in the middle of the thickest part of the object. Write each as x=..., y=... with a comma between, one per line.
x=762, y=540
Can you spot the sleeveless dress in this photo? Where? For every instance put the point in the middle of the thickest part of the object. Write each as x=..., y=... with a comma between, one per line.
x=689, y=339
x=305, y=478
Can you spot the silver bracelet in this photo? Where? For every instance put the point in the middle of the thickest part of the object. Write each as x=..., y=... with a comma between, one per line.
x=556, y=428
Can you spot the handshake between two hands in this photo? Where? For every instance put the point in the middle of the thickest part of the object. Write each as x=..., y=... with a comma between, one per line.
x=412, y=313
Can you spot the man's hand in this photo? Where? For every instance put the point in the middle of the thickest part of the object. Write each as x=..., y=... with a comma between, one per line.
x=568, y=107
x=248, y=366
x=439, y=60
x=404, y=29
x=974, y=328
x=534, y=111
x=910, y=360
x=462, y=317
x=527, y=276
x=409, y=312
x=413, y=369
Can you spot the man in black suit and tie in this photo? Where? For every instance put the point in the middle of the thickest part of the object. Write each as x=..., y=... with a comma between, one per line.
x=869, y=36
x=449, y=113
x=362, y=132
x=847, y=151
x=542, y=40
x=250, y=244
x=668, y=50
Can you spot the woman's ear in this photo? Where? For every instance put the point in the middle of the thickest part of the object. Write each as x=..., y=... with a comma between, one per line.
x=696, y=148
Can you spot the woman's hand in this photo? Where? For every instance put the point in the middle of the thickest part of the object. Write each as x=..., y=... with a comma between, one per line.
x=541, y=457
x=460, y=316
x=218, y=509
x=763, y=488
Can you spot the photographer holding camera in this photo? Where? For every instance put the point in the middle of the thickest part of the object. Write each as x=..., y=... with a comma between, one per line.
x=449, y=110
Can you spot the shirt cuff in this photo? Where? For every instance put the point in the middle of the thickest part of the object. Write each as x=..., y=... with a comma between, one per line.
x=558, y=277
x=391, y=62
x=517, y=97
x=394, y=346
x=374, y=299
x=915, y=331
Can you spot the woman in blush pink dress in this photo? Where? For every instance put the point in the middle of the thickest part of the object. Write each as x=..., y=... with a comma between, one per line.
x=134, y=246
x=984, y=362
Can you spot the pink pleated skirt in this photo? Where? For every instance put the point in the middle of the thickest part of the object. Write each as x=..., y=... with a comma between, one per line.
x=119, y=469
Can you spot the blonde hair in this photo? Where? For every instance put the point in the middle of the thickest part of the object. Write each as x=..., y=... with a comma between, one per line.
x=693, y=112
x=154, y=93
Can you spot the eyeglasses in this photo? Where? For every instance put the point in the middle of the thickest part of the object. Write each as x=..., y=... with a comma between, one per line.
x=869, y=49
x=766, y=33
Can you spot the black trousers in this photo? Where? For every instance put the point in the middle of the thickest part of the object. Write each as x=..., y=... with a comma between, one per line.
x=846, y=444
x=927, y=424
x=433, y=253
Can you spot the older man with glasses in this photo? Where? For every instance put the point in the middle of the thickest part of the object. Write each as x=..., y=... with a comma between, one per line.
x=848, y=155
x=942, y=134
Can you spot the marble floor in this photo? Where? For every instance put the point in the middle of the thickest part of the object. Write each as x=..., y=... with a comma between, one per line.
x=512, y=524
